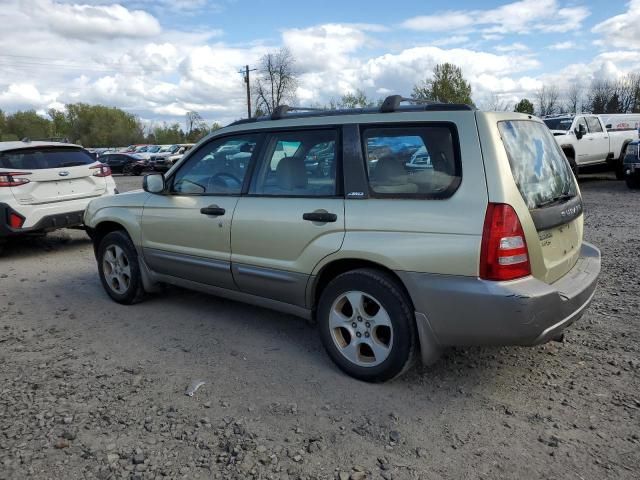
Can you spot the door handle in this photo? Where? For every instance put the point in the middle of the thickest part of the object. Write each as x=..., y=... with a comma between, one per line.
x=323, y=217
x=212, y=210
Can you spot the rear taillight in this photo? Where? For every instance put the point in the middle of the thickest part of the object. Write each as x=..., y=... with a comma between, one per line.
x=15, y=220
x=13, y=179
x=504, y=254
x=103, y=170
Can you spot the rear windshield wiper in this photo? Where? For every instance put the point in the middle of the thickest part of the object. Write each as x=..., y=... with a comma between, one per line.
x=559, y=199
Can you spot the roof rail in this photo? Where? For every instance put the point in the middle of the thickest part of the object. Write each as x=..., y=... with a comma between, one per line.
x=392, y=103
x=281, y=110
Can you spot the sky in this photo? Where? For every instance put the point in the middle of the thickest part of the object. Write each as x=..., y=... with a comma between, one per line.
x=159, y=59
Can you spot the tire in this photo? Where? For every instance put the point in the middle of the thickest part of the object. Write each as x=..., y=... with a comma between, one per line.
x=119, y=269
x=381, y=301
x=619, y=170
x=633, y=183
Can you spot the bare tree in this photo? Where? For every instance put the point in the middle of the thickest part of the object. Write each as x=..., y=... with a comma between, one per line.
x=599, y=95
x=497, y=104
x=194, y=121
x=547, y=100
x=276, y=81
x=573, y=99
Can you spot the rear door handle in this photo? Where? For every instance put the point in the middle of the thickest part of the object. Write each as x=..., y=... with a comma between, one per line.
x=323, y=217
x=212, y=210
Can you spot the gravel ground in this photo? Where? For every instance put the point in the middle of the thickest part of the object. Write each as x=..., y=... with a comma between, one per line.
x=93, y=389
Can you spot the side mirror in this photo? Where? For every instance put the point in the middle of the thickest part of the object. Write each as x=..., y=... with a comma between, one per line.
x=153, y=183
x=580, y=131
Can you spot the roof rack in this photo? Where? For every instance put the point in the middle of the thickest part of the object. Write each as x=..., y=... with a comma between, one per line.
x=281, y=110
x=390, y=104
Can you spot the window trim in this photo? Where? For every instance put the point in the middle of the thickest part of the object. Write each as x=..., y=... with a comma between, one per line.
x=445, y=194
x=339, y=187
x=195, y=149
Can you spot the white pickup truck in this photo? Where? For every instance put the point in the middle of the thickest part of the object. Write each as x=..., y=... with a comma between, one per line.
x=585, y=139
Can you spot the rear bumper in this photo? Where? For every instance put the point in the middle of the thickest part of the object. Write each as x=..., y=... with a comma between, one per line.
x=471, y=311
x=45, y=224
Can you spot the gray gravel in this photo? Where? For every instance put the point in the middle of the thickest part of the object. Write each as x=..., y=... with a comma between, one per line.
x=92, y=389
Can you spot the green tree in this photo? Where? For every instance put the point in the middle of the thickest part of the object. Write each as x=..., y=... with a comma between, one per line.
x=28, y=124
x=357, y=99
x=168, y=134
x=446, y=85
x=524, y=106
x=101, y=126
x=59, y=124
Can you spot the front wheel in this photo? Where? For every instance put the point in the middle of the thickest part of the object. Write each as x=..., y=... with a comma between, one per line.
x=119, y=268
x=367, y=325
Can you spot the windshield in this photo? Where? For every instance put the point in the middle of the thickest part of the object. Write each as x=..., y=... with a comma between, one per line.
x=539, y=167
x=41, y=158
x=153, y=149
x=559, y=123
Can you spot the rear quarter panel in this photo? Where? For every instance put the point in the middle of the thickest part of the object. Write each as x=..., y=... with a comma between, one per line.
x=420, y=235
x=503, y=189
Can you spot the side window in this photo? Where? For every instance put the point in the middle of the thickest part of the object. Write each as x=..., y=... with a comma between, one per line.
x=582, y=121
x=412, y=161
x=300, y=163
x=217, y=168
x=594, y=125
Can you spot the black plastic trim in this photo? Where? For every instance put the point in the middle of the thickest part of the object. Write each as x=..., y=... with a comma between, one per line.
x=556, y=215
x=48, y=223
x=356, y=185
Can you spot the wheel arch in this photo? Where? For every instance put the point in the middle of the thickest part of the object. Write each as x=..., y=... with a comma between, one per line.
x=342, y=265
x=103, y=228
x=569, y=151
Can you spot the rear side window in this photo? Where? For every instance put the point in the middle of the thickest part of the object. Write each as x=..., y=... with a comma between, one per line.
x=41, y=158
x=412, y=162
x=539, y=167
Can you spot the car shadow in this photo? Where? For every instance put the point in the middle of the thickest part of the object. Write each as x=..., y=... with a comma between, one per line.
x=29, y=246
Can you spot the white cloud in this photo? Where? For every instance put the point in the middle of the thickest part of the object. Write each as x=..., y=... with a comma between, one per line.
x=453, y=40
x=562, y=45
x=621, y=31
x=514, y=47
x=522, y=17
x=91, y=21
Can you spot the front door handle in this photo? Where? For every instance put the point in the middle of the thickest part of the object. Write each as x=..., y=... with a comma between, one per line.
x=212, y=210
x=322, y=217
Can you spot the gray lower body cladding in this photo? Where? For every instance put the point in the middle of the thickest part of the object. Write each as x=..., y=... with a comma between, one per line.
x=471, y=311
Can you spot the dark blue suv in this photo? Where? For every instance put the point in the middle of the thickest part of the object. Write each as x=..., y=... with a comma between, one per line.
x=631, y=165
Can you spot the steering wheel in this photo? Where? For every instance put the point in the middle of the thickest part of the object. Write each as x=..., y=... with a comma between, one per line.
x=223, y=175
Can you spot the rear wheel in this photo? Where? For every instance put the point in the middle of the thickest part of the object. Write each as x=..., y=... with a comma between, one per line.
x=367, y=325
x=119, y=268
x=633, y=182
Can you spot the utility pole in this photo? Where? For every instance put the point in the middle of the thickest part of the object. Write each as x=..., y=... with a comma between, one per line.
x=245, y=73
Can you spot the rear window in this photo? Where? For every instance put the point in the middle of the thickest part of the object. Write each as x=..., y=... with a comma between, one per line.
x=41, y=158
x=539, y=167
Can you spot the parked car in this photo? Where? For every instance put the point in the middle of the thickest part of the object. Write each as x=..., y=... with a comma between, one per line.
x=162, y=163
x=387, y=263
x=47, y=185
x=118, y=162
x=585, y=140
x=146, y=152
x=631, y=165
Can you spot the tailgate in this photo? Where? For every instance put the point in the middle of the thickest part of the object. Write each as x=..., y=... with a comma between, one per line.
x=551, y=194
